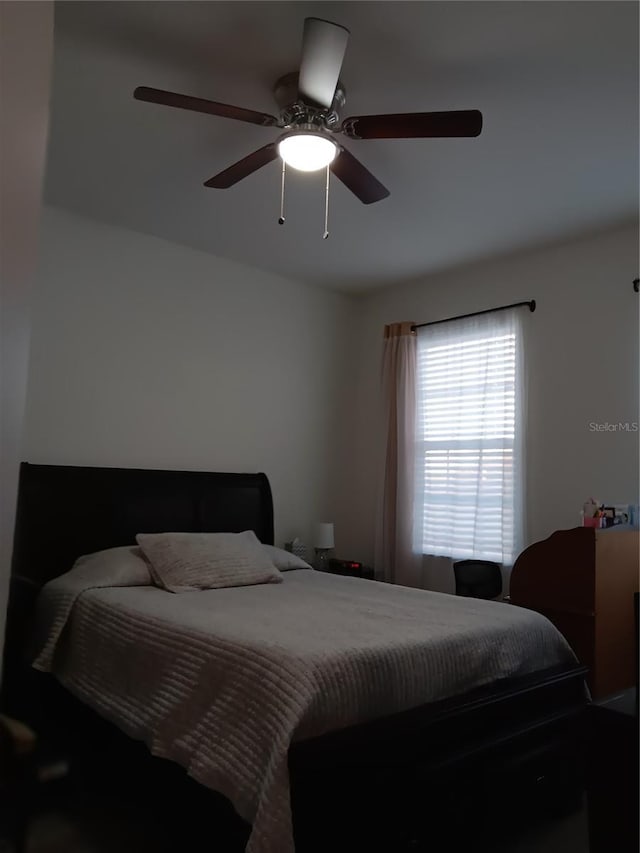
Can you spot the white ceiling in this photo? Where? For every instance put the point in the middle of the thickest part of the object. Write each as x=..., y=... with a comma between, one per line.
x=557, y=83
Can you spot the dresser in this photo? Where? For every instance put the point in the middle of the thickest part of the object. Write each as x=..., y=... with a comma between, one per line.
x=583, y=580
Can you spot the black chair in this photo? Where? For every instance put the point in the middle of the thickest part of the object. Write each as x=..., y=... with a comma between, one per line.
x=478, y=578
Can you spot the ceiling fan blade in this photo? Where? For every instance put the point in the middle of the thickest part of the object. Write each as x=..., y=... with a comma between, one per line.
x=243, y=167
x=357, y=178
x=323, y=48
x=201, y=105
x=414, y=125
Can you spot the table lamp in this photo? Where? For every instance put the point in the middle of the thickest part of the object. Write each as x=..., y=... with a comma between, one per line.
x=323, y=544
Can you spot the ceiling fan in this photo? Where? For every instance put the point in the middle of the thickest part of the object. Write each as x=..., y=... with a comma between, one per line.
x=309, y=102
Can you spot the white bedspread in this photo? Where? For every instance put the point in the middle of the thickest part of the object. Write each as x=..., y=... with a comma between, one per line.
x=222, y=681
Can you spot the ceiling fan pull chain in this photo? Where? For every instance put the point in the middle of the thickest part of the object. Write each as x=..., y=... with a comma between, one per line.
x=326, y=208
x=281, y=219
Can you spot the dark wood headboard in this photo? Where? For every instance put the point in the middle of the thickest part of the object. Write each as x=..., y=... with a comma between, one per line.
x=65, y=511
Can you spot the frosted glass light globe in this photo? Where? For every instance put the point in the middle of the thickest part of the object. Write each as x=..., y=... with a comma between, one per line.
x=307, y=152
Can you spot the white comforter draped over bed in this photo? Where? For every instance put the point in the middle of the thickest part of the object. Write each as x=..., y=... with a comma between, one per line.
x=222, y=681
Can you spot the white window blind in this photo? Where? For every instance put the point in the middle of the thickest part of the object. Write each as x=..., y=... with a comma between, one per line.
x=469, y=465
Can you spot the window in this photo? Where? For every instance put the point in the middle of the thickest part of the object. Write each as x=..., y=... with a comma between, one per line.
x=469, y=438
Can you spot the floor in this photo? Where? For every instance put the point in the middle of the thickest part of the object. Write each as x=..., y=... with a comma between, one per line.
x=115, y=828
x=568, y=835
x=106, y=811
x=92, y=831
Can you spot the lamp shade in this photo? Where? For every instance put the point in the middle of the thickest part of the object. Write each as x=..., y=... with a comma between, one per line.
x=323, y=535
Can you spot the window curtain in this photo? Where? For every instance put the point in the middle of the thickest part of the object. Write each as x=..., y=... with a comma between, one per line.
x=470, y=439
x=394, y=558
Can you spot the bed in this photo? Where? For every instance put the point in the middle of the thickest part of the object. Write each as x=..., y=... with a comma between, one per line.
x=364, y=741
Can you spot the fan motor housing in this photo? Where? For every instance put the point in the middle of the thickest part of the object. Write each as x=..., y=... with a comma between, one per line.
x=295, y=111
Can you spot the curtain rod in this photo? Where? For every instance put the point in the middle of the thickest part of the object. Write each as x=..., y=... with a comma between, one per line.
x=531, y=305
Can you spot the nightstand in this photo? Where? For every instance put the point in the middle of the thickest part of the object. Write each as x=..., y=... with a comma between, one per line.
x=355, y=570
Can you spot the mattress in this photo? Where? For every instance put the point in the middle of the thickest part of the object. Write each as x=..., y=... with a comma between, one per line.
x=223, y=681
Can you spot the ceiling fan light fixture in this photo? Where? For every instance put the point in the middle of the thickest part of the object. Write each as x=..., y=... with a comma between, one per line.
x=307, y=151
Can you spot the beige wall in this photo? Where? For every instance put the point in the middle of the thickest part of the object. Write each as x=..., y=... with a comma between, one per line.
x=149, y=354
x=26, y=42
x=582, y=364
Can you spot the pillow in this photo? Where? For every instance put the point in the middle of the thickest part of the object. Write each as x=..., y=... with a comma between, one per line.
x=285, y=561
x=125, y=566
x=181, y=562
